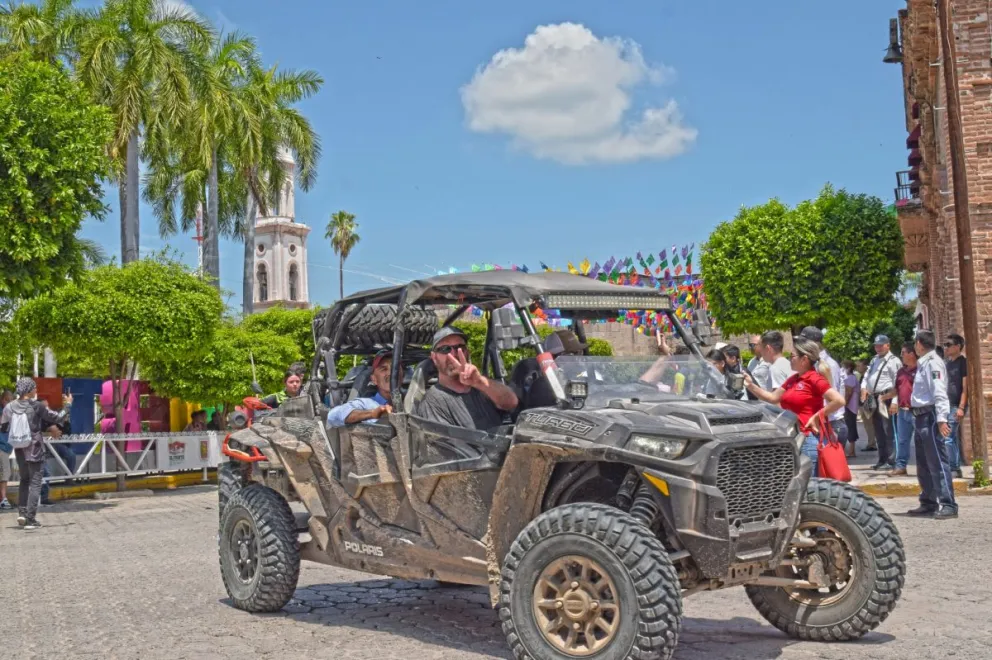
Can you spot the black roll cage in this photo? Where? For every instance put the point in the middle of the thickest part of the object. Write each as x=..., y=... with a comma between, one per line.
x=489, y=296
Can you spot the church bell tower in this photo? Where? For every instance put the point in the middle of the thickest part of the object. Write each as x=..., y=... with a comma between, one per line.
x=281, y=249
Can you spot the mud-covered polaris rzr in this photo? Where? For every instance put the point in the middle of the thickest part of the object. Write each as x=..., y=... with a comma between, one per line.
x=589, y=520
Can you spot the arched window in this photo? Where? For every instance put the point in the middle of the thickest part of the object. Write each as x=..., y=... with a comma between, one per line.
x=263, y=283
x=294, y=277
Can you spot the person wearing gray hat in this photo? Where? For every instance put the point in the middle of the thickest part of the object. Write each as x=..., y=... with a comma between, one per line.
x=26, y=408
x=463, y=396
x=878, y=389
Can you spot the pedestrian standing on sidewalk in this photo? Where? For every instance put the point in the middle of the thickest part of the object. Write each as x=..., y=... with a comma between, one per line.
x=901, y=409
x=805, y=393
x=931, y=409
x=779, y=368
x=957, y=394
x=829, y=369
x=852, y=399
x=31, y=459
x=757, y=367
x=863, y=414
x=5, y=453
x=878, y=388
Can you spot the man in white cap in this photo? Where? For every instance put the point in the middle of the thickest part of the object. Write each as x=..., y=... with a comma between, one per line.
x=878, y=388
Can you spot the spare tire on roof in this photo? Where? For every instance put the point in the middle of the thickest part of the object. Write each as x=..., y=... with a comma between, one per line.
x=374, y=325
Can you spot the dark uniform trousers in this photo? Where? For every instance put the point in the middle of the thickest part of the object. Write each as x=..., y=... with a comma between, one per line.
x=933, y=468
x=884, y=436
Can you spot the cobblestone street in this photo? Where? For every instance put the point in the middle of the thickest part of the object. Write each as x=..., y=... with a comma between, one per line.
x=138, y=578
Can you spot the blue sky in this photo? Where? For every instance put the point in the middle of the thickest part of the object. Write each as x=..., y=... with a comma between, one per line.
x=661, y=120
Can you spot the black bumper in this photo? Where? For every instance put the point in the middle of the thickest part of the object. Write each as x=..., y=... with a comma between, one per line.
x=735, y=502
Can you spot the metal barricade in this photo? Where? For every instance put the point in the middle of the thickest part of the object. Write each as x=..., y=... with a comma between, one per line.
x=158, y=453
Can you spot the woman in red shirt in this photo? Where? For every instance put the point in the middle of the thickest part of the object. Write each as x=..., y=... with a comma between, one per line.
x=805, y=393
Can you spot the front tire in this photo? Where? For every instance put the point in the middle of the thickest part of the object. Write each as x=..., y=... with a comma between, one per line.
x=229, y=482
x=588, y=580
x=259, y=550
x=860, y=548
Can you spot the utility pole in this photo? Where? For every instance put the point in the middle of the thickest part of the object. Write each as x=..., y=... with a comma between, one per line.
x=962, y=216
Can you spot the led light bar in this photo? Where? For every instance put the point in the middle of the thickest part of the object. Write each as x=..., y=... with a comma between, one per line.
x=594, y=301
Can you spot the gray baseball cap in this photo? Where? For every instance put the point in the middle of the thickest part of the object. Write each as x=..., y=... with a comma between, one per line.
x=881, y=339
x=812, y=333
x=444, y=333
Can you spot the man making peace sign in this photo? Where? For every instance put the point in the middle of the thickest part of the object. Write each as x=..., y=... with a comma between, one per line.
x=463, y=396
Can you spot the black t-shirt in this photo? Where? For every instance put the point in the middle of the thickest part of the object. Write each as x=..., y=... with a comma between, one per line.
x=957, y=370
x=471, y=410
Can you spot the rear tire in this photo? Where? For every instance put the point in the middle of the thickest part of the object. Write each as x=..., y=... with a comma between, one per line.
x=876, y=576
x=627, y=604
x=259, y=550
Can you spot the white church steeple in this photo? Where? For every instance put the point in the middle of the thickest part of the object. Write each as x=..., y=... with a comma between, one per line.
x=281, y=249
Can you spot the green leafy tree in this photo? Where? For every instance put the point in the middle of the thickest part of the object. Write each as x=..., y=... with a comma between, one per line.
x=829, y=261
x=293, y=324
x=136, y=58
x=855, y=340
x=52, y=160
x=140, y=313
x=342, y=230
x=222, y=375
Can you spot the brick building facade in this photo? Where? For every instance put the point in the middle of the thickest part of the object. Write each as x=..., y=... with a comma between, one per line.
x=924, y=193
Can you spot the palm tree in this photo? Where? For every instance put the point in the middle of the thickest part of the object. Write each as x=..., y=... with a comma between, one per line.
x=188, y=160
x=270, y=96
x=47, y=31
x=136, y=57
x=342, y=230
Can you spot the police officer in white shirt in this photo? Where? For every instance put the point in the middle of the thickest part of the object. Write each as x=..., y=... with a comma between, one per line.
x=836, y=381
x=878, y=388
x=931, y=408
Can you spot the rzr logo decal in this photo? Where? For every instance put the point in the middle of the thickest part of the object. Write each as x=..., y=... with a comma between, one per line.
x=362, y=549
x=559, y=423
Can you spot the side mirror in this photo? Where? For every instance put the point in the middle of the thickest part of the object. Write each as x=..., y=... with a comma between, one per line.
x=702, y=327
x=256, y=388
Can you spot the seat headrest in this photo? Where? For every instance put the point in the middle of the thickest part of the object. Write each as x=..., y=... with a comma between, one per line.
x=427, y=368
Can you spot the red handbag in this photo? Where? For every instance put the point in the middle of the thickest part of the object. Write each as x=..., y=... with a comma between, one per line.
x=832, y=460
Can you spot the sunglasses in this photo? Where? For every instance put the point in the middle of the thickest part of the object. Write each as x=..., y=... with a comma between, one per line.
x=451, y=348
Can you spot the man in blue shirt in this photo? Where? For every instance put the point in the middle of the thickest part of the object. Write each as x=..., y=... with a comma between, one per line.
x=367, y=410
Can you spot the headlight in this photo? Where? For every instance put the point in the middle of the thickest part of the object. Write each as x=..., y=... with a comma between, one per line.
x=652, y=445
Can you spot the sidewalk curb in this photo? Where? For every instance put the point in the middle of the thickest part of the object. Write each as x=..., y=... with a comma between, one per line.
x=961, y=487
x=90, y=489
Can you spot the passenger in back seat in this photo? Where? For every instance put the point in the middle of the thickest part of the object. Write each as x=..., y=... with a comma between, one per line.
x=367, y=410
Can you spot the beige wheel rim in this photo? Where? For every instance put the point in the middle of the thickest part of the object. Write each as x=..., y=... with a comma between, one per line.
x=575, y=606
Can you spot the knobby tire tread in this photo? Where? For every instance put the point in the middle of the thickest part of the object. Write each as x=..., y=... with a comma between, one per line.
x=655, y=579
x=890, y=567
x=279, y=558
x=228, y=483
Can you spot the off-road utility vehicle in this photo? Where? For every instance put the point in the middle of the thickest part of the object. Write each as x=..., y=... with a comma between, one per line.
x=589, y=520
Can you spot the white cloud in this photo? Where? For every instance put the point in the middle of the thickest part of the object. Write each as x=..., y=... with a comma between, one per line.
x=566, y=94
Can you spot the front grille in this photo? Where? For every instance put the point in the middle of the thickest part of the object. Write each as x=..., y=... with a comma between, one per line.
x=724, y=421
x=754, y=480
